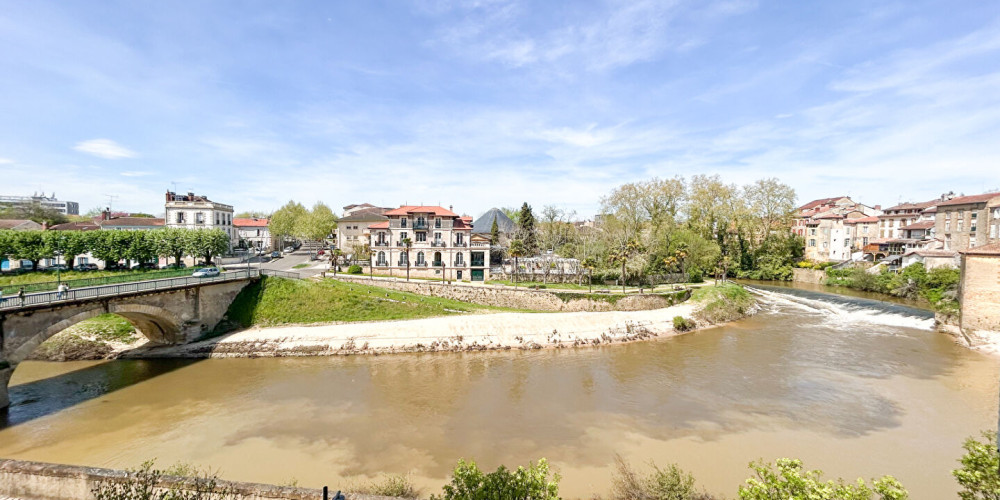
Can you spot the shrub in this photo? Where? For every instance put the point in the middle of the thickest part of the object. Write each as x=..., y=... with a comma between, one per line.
x=144, y=483
x=390, y=485
x=723, y=303
x=682, y=324
x=354, y=269
x=787, y=480
x=696, y=276
x=670, y=483
x=979, y=477
x=470, y=483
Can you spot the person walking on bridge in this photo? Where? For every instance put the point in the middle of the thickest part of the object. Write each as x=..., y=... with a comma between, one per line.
x=20, y=294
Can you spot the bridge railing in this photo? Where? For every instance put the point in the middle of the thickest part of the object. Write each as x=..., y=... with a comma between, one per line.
x=281, y=274
x=73, y=294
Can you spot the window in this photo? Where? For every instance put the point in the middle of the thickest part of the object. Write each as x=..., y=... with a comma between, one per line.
x=972, y=223
x=180, y=217
x=199, y=218
x=460, y=275
x=437, y=237
x=458, y=239
x=403, y=258
x=891, y=221
x=402, y=223
x=437, y=223
x=420, y=257
x=459, y=259
x=993, y=231
x=421, y=236
x=825, y=245
x=947, y=242
x=864, y=241
x=847, y=242
x=478, y=259
x=996, y=213
x=381, y=259
x=960, y=225
x=812, y=243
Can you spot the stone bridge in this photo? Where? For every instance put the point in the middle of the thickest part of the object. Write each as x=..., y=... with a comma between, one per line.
x=173, y=311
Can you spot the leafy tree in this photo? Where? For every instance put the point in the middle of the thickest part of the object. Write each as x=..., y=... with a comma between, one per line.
x=208, y=243
x=669, y=483
x=285, y=220
x=110, y=246
x=174, y=242
x=516, y=250
x=787, y=480
x=316, y=224
x=141, y=247
x=31, y=245
x=69, y=244
x=589, y=264
x=622, y=253
x=34, y=212
x=979, y=476
x=407, y=244
x=468, y=482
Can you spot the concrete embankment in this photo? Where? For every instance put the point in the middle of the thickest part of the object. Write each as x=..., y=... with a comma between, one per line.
x=45, y=481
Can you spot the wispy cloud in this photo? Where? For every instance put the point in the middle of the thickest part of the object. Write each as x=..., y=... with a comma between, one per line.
x=104, y=148
x=6, y=161
x=137, y=174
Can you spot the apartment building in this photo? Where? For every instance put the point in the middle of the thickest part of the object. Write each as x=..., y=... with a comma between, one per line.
x=834, y=229
x=894, y=219
x=190, y=211
x=47, y=202
x=967, y=222
x=253, y=233
x=441, y=245
x=352, y=228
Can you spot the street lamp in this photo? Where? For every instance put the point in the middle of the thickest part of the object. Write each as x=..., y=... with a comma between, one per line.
x=58, y=253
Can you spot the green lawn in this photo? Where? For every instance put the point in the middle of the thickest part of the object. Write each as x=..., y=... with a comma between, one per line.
x=275, y=301
x=725, y=302
x=37, y=281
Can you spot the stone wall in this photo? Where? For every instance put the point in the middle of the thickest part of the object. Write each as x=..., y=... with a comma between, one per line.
x=44, y=481
x=518, y=298
x=979, y=295
x=809, y=276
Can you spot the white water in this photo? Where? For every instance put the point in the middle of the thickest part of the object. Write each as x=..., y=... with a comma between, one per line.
x=850, y=313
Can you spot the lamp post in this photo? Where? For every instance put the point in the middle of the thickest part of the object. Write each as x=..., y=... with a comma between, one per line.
x=58, y=253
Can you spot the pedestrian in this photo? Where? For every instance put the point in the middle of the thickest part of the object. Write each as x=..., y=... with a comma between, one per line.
x=59, y=291
x=20, y=294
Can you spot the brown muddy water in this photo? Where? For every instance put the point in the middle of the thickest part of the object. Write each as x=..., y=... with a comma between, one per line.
x=851, y=386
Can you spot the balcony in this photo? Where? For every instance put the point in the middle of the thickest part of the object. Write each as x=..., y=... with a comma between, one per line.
x=478, y=263
x=438, y=263
x=401, y=263
x=381, y=243
x=459, y=264
x=421, y=264
x=420, y=225
x=381, y=264
x=438, y=243
x=460, y=244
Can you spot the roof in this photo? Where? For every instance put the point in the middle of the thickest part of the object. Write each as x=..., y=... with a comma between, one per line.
x=250, y=222
x=356, y=205
x=380, y=225
x=927, y=224
x=365, y=214
x=822, y=201
x=484, y=224
x=462, y=224
x=910, y=205
x=991, y=249
x=963, y=200
x=19, y=224
x=132, y=222
x=75, y=226
x=421, y=209
x=828, y=215
x=932, y=253
x=862, y=220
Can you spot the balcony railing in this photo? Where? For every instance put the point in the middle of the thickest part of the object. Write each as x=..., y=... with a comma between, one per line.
x=459, y=264
x=381, y=264
x=420, y=225
x=381, y=243
x=421, y=264
x=438, y=243
x=438, y=263
x=478, y=263
x=401, y=263
x=460, y=243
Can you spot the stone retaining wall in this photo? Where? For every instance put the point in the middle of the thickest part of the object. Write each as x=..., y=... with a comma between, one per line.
x=44, y=481
x=536, y=300
x=809, y=276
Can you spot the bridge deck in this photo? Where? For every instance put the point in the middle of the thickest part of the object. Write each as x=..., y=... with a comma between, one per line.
x=9, y=303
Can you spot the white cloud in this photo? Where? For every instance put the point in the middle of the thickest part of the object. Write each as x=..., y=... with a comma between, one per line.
x=136, y=174
x=6, y=161
x=105, y=148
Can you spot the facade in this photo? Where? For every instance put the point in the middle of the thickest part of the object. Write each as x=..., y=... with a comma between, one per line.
x=931, y=259
x=835, y=229
x=253, y=232
x=441, y=245
x=352, y=229
x=894, y=219
x=966, y=222
x=49, y=202
x=979, y=294
x=189, y=211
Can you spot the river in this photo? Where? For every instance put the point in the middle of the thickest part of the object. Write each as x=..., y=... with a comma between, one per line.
x=852, y=386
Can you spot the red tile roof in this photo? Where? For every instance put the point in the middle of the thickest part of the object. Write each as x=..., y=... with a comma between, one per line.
x=991, y=249
x=75, y=226
x=816, y=203
x=862, y=220
x=976, y=198
x=462, y=224
x=380, y=225
x=927, y=224
x=15, y=223
x=933, y=253
x=132, y=221
x=250, y=222
x=412, y=209
x=910, y=206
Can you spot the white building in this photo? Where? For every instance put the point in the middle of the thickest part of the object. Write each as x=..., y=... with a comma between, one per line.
x=442, y=245
x=189, y=211
x=254, y=233
x=48, y=202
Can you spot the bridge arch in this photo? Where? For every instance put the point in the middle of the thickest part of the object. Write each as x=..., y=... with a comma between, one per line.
x=155, y=323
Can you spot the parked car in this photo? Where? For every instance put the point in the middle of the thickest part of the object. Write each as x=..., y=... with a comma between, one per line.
x=275, y=254
x=265, y=258
x=86, y=267
x=289, y=249
x=174, y=266
x=146, y=266
x=206, y=272
x=57, y=267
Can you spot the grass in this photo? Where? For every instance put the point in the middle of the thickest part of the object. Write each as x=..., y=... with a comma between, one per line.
x=108, y=327
x=300, y=266
x=277, y=301
x=36, y=281
x=725, y=302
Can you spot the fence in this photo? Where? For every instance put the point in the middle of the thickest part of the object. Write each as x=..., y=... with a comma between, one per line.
x=97, y=281
x=281, y=274
x=74, y=294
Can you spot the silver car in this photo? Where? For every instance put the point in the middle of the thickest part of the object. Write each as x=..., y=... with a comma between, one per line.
x=206, y=272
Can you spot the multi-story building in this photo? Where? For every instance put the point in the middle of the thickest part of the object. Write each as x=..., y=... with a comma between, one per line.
x=967, y=222
x=253, y=232
x=48, y=202
x=830, y=227
x=198, y=212
x=352, y=228
x=894, y=219
x=441, y=245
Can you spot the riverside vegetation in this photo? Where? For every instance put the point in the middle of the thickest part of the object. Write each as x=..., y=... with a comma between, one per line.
x=96, y=338
x=785, y=479
x=938, y=287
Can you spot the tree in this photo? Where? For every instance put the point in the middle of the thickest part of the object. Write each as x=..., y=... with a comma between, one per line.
x=174, y=242
x=517, y=249
x=526, y=229
x=772, y=205
x=34, y=212
x=285, y=220
x=335, y=258
x=316, y=224
x=407, y=244
x=208, y=243
x=142, y=247
x=590, y=264
x=787, y=481
x=31, y=245
x=979, y=476
x=110, y=246
x=494, y=233
x=69, y=244
x=532, y=483
x=622, y=254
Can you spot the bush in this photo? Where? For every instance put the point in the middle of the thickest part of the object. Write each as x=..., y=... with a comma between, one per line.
x=790, y=482
x=143, y=483
x=670, y=483
x=470, y=483
x=726, y=302
x=682, y=324
x=354, y=269
x=390, y=485
x=696, y=276
x=979, y=477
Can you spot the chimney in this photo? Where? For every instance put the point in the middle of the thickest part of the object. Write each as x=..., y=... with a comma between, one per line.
x=451, y=208
x=878, y=207
x=170, y=195
x=190, y=196
x=106, y=214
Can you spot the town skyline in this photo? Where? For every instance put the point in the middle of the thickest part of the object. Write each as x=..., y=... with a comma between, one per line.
x=477, y=103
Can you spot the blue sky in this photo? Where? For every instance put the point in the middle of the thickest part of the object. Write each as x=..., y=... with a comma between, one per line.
x=486, y=103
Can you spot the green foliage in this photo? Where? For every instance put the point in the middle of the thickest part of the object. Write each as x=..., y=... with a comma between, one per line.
x=722, y=303
x=389, y=485
x=284, y=221
x=354, y=269
x=938, y=286
x=531, y=483
x=682, y=324
x=34, y=212
x=208, y=243
x=670, y=483
x=787, y=480
x=979, y=476
x=316, y=224
x=526, y=229
x=696, y=276
x=146, y=483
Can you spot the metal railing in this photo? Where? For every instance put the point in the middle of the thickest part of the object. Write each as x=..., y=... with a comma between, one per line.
x=95, y=292
x=281, y=274
x=438, y=243
x=102, y=280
